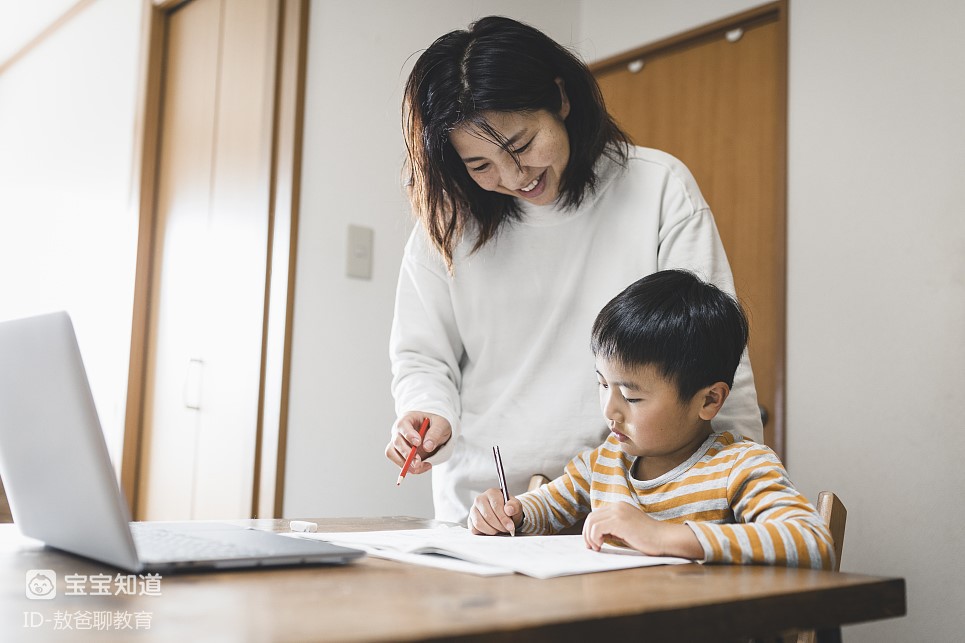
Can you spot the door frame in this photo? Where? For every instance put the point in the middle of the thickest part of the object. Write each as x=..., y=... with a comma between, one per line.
x=284, y=196
x=778, y=12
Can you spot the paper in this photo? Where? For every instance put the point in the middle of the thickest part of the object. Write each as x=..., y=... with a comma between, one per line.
x=429, y=560
x=536, y=556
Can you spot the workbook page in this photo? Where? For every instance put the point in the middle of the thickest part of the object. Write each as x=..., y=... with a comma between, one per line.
x=536, y=556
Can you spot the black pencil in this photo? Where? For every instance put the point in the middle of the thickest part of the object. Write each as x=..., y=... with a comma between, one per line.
x=502, y=481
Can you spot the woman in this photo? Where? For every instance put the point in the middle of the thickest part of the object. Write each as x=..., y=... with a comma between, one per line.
x=534, y=210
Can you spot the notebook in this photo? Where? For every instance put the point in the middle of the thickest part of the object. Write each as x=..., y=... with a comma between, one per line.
x=455, y=548
x=61, y=486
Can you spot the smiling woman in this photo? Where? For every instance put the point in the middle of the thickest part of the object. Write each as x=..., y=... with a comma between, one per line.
x=535, y=210
x=529, y=164
x=504, y=70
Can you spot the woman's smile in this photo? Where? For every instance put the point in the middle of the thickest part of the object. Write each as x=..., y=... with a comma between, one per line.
x=535, y=188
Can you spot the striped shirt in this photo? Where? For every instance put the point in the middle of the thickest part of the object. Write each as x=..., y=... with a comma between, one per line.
x=733, y=493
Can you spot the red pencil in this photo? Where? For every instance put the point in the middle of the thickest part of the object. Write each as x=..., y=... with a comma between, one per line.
x=408, y=461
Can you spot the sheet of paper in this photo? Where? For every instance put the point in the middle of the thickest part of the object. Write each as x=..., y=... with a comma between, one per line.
x=429, y=560
x=536, y=556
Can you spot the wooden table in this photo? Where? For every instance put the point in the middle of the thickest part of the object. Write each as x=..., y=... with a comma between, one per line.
x=380, y=600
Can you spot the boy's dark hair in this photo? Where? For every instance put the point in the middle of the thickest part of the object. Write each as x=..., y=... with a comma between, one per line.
x=500, y=65
x=691, y=331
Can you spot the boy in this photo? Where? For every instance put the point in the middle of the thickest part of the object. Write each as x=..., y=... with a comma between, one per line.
x=663, y=483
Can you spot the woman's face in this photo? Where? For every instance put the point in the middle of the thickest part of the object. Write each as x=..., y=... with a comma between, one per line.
x=540, y=141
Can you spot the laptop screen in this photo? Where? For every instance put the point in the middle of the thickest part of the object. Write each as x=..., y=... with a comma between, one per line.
x=53, y=459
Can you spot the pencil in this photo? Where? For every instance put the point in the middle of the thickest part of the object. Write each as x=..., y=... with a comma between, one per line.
x=502, y=482
x=408, y=460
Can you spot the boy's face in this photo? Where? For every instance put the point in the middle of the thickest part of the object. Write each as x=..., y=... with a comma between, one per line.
x=645, y=413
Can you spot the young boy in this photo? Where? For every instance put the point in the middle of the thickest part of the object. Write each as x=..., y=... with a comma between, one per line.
x=663, y=482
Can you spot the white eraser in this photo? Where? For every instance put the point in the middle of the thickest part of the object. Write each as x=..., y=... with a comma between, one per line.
x=303, y=525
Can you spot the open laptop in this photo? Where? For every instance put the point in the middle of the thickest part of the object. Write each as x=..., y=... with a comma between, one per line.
x=61, y=485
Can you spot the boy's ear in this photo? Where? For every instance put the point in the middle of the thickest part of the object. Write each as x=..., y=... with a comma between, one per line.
x=711, y=399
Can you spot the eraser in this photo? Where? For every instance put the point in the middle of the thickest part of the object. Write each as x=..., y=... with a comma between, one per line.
x=303, y=525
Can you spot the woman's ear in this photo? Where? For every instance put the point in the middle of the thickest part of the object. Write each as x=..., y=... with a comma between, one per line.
x=564, y=101
x=711, y=399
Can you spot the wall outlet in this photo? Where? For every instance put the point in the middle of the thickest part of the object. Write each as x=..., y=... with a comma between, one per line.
x=358, y=261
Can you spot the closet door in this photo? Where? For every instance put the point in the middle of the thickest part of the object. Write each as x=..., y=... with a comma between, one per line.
x=716, y=98
x=211, y=237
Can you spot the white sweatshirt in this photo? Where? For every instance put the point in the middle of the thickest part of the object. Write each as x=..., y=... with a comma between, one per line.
x=501, y=348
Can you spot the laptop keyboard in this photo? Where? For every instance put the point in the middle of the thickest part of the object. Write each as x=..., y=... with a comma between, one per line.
x=158, y=544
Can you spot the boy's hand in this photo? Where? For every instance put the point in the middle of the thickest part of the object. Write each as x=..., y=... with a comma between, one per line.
x=405, y=435
x=490, y=515
x=623, y=523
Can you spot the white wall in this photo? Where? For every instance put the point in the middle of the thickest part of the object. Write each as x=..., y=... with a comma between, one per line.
x=876, y=277
x=68, y=227
x=340, y=405
x=877, y=281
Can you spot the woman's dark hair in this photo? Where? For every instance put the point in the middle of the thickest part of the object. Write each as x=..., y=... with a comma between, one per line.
x=691, y=331
x=500, y=65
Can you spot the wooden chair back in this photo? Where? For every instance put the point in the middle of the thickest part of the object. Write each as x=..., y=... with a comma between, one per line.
x=835, y=515
x=537, y=481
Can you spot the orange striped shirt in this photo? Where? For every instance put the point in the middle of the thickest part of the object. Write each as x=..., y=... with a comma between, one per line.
x=733, y=493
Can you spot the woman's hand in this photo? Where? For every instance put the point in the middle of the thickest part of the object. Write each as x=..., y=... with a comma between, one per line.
x=625, y=524
x=405, y=435
x=490, y=515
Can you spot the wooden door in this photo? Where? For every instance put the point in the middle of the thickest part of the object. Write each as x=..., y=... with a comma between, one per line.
x=219, y=193
x=716, y=98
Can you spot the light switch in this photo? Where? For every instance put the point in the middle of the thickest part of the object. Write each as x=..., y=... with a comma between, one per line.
x=358, y=262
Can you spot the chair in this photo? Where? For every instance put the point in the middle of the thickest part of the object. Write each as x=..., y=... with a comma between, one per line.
x=834, y=513
x=537, y=481
x=5, y=515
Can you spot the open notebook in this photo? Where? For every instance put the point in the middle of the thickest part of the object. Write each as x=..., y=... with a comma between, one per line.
x=455, y=548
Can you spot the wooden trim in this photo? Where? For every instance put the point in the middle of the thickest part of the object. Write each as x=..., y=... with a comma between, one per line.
x=772, y=12
x=144, y=191
x=167, y=6
x=779, y=412
x=747, y=19
x=266, y=424
x=271, y=448
x=45, y=33
x=297, y=95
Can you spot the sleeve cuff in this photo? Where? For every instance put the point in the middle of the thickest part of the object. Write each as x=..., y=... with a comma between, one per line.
x=443, y=453
x=703, y=539
x=529, y=510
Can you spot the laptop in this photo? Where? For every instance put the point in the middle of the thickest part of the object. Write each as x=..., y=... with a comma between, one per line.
x=61, y=486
